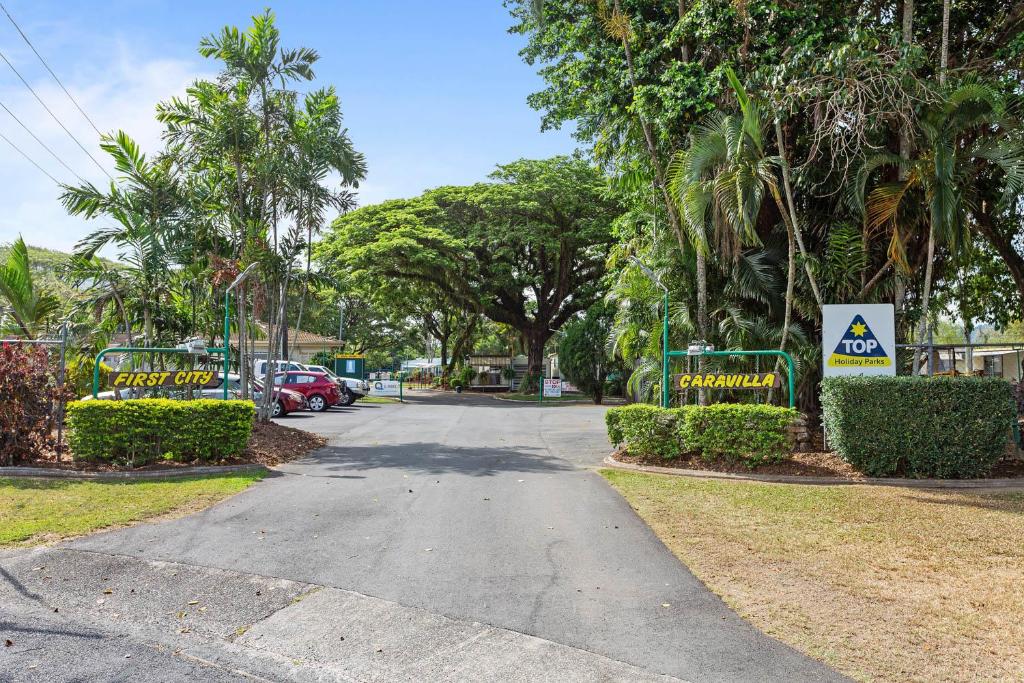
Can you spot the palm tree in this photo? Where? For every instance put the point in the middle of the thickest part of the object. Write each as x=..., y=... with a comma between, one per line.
x=145, y=204
x=30, y=306
x=321, y=147
x=940, y=179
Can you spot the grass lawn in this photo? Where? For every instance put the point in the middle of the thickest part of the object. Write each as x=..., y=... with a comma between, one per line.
x=882, y=583
x=376, y=399
x=34, y=511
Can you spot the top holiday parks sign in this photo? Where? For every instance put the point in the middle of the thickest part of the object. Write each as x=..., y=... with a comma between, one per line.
x=858, y=339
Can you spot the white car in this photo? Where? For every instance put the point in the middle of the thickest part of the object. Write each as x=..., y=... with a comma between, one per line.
x=357, y=388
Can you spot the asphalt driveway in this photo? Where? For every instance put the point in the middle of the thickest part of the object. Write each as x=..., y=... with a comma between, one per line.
x=474, y=510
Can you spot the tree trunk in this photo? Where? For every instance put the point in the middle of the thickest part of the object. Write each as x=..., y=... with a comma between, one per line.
x=792, y=213
x=908, y=38
x=790, y=286
x=242, y=326
x=944, y=54
x=922, y=329
x=535, y=353
x=684, y=49
x=702, y=316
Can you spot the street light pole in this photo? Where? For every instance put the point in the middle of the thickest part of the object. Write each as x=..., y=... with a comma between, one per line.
x=664, y=328
x=227, y=324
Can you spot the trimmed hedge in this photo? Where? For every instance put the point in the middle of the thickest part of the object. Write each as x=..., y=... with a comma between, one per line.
x=648, y=430
x=747, y=433
x=140, y=431
x=945, y=427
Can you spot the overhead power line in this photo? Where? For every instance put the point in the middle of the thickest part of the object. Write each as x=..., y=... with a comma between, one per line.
x=54, y=116
x=29, y=159
x=41, y=143
x=29, y=43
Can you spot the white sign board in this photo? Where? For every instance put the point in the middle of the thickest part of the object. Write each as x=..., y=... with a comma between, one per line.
x=384, y=387
x=858, y=339
x=552, y=388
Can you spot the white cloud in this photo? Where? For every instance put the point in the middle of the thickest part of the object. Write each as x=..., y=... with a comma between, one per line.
x=119, y=93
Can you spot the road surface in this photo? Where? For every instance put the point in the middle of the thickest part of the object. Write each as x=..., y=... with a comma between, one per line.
x=450, y=538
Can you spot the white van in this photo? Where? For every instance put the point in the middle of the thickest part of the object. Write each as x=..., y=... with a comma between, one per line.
x=260, y=367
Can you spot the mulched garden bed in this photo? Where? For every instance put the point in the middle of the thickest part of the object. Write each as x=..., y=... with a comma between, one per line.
x=270, y=444
x=810, y=464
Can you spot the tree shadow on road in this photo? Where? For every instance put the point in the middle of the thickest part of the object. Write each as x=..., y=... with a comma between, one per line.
x=435, y=458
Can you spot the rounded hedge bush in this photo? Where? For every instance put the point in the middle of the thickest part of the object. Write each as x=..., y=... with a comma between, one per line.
x=140, y=431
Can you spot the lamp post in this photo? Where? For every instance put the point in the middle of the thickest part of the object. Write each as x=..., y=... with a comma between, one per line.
x=664, y=331
x=227, y=323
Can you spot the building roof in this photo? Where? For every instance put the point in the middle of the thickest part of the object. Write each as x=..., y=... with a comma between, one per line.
x=295, y=337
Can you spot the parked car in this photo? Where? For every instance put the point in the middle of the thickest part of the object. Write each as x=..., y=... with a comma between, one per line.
x=320, y=390
x=285, y=400
x=259, y=368
x=355, y=388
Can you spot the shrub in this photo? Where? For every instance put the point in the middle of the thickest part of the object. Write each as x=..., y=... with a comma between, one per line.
x=27, y=395
x=947, y=427
x=647, y=430
x=748, y=433
x=140, y=431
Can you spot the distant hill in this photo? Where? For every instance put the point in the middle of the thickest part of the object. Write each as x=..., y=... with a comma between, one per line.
x=46, y=269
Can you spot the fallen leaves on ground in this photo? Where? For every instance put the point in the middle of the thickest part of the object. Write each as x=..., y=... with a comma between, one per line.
x=273, y=444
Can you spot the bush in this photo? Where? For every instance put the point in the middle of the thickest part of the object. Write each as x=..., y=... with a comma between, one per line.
x=946, y=427
x=748, y=433
x=140, y=431
x=647, y=430
x=27, y=396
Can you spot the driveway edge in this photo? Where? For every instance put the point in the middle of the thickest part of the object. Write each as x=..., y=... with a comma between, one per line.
x=960, y=484
x=53, y=473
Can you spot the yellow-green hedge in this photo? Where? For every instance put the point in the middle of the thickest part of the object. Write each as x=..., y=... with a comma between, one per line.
x=140, y=431
x=738, y=432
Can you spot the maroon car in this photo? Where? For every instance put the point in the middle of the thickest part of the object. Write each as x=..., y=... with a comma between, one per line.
x=320, y=390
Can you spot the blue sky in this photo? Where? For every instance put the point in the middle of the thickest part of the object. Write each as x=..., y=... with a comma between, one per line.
x=433, y=92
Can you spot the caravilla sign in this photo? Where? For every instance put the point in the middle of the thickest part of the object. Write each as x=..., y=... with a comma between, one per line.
x=726, y=380
x=164, y=378
x=858, y=339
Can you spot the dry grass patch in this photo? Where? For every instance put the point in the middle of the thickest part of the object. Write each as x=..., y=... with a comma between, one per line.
x=882, y=583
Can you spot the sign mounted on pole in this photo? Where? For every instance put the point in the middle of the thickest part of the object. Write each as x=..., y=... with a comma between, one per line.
x=726, y=380
x=552, y=388
x=858, y=339
x=164, y=378
x=385, y=387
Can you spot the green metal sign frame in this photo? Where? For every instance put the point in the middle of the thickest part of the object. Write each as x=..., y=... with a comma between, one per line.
x=148, y=349
x=790, y=372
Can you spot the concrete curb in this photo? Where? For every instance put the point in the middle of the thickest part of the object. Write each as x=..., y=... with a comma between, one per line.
x=961, y=484
x=52, y=473
x=575, y=402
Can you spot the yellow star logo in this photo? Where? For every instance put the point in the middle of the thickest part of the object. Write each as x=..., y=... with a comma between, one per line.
x=858, y=329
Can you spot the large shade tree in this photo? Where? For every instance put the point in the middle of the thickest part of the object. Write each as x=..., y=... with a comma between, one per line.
x=527, y=250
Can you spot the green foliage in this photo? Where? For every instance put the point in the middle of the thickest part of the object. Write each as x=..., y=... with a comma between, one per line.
x=746, y=433
x=140, y=431
x=463, y=377
x=647, y=430
x=30, y=306
x=749, y=433
x=918, y=427
x=583, y=350
x=541, y=226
